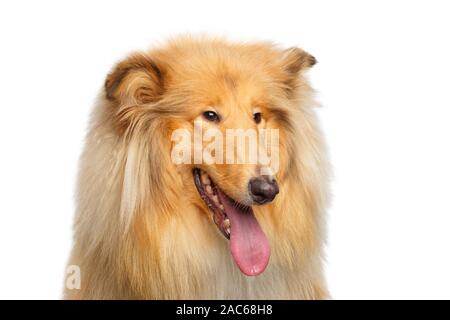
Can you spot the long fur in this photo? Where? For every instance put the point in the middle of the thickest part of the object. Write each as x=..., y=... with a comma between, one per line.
x=141, y=230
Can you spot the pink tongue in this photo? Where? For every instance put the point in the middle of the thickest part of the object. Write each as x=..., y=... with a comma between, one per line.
x=248, y=243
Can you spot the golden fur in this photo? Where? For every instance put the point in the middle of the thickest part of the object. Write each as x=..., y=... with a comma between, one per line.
x=141, y=230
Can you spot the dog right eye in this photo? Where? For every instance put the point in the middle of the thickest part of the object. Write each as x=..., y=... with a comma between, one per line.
x=211, y=116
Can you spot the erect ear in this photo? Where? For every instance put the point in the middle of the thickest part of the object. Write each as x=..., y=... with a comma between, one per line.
x=137, y=79
x=293, y=62
x=296, y=60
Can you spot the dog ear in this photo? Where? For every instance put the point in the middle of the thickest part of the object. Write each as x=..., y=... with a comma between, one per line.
x=137, y=79
x=296, y=60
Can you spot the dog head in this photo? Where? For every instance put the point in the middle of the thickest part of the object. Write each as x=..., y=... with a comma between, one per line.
x=208, y=111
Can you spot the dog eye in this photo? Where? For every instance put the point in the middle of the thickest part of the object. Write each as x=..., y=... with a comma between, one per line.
x=211, y=116
x=257, y=117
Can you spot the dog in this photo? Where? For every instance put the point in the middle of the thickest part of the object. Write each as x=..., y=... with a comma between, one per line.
x=149, y=227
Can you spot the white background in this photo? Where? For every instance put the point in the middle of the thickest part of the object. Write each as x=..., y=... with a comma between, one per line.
x=382, y=78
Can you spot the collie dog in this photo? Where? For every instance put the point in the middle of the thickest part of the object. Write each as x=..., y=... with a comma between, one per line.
x=153, y=225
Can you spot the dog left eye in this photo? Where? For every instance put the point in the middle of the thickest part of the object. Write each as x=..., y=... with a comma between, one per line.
x=257, y=117
x=211, y=116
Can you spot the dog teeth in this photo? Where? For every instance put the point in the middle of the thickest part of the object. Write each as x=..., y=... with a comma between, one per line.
x=226, y=224
x=228, y=231
x=209, y=189
x=215, y=199
x=205, y=179
x=221, y=207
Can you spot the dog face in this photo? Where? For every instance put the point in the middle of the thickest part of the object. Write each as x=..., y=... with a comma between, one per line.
x=218, y=90
x=229, y=103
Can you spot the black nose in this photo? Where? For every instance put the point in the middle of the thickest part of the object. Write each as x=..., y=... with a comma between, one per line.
x=263, y=189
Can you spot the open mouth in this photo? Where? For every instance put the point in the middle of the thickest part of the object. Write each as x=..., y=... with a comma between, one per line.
x=248, y=243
